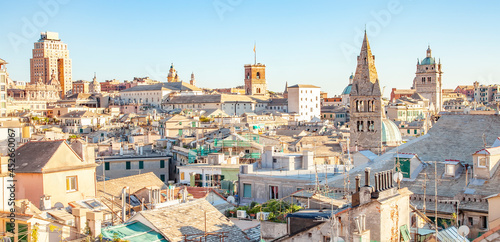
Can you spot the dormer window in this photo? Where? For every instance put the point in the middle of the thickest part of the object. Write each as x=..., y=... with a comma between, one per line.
x=481, y=162
x=450, y=170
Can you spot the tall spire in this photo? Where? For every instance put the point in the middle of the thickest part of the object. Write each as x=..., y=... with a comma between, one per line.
x=365, y=69
x=429, y=51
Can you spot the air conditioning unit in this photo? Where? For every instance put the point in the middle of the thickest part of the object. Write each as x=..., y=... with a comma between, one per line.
x=241, y=214
x=262, y=216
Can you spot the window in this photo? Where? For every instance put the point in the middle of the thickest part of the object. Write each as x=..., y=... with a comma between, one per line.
x=127, y=165
x=471, y=221
x=273, y=192
x=71, y=184
x=141, y=164
x=450, y=170
x=162, y=178
x=484, y=222
x=247, y=190
x=481, y=162
x=106, y=166
x=182, y=175
x=162, y=163
x=258, y=75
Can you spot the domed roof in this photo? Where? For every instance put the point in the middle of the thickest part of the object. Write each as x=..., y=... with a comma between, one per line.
x=391, y=136
x=428, y=61
x=347, y=90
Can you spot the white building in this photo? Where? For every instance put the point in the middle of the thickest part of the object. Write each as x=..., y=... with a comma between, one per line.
x=304, y=101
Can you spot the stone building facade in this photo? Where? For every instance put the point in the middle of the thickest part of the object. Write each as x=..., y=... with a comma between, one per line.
x=427, y=81
x=255, y=79
x=366, y=103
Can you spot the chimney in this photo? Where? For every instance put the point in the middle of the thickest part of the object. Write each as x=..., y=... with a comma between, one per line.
x=367, y=176
x=377, y=183
x=80, y=218
x=124, y=203
x=95, y=218
x=357, y=183
x=45, y=203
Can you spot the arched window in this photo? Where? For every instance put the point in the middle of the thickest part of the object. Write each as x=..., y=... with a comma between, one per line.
x=357, y=106
x=360, y=126
x=362, y=106
x=429, y=79
x=258, y=75
x=371, y=126
x=248, y=75
x=370, y=103
x=258, y=90
x=423, y=79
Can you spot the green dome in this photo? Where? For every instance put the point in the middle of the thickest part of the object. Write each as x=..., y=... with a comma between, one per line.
x=391, y=136
x=428, y=61
x=347, y=90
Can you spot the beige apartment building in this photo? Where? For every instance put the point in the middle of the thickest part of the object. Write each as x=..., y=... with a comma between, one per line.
x=51, y=57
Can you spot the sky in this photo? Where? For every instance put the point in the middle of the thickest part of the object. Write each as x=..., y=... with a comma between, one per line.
x=300, y=42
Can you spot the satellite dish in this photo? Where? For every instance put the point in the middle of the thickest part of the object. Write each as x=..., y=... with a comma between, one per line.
x=338, y=239
x=231, y=199
x=397, y=177
x=463, y=230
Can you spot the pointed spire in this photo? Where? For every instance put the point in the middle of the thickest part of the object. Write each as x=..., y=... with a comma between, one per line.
x=429, y=51
x=286, y=87
x=365, y=70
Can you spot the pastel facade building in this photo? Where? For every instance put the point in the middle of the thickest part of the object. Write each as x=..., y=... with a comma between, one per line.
x=304, y=101
x=51, y=56
x=3, y=88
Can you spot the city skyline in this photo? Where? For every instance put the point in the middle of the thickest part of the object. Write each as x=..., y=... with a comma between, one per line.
x=301, y=43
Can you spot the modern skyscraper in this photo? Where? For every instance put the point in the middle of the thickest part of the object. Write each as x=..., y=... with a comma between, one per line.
x=51, y=57
x=255, y=79
x=427, y=81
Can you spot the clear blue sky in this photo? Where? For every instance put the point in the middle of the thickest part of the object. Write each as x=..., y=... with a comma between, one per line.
x=309, y=42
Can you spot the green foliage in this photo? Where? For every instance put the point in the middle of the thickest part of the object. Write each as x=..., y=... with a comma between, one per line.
x=277, y=209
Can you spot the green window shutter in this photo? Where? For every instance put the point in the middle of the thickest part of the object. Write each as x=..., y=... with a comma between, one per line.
x=141, y=164
x=405, y=233
x=162, y=163
x=415, y=131
x=247, y=190
x=106, y=166
x=162, y=178
x=127, y=165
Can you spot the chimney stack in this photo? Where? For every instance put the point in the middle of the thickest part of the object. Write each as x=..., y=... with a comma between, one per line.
x=95, y=219
x=377, y=183
x=367, y=176
x=357, y=183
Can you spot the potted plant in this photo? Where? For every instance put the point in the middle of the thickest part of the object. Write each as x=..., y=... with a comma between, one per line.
x=232, y=212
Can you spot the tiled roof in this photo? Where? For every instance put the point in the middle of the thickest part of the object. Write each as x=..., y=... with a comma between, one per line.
x=135, y=183
x=176, y=221
x=81, y=114
x=173, y=86
x=490, y=236
x=33, y=156
x=303, y=86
